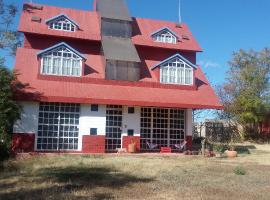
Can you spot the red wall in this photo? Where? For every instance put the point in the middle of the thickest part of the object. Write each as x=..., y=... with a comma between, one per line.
x=189, y=142
x=40, y=42
x=93, y=144
x=131, y=139
x=23, y=142
x=149, y=56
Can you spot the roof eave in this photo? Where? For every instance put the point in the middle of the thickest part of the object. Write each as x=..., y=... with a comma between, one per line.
x=58, y=45
x=62, y=15
x=172, y=57
x=165, y=28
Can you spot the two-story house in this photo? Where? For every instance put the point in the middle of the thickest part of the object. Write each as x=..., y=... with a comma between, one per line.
x=99, y=79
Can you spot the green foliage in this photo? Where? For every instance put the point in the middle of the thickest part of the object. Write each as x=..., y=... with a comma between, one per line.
x=10, y=39
x=220, y=148
x=9, y=109
x=245, y=94
x=239, y=170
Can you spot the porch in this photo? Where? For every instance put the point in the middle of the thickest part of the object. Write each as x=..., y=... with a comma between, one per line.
x=93, y=128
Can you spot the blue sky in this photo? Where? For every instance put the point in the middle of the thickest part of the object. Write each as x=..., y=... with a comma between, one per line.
x=220, y=26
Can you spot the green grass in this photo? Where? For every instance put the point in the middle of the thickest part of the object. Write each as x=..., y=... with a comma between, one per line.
x=137, y=177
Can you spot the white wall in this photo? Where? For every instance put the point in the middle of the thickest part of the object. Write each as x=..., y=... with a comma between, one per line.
x=29, y=118
x=90, y=119
x=189, y=122
x=131, y=121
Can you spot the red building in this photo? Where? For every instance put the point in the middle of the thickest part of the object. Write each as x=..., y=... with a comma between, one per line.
x=101, y=79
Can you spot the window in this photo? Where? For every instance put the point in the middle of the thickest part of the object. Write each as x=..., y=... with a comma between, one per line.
x=131, y=110
x=93, y=131
x=176, y=71
x=62, y=23
x=162, y=126
x=130, y=132
x=58, y=126
x=61, y=61
x=94, y=107
x=113, y=127
x=122, y=70
x=165, y=36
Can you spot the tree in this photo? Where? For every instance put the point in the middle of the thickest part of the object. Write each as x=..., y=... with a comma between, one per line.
x=9, y=110
x=10, y=39
x=245, y=94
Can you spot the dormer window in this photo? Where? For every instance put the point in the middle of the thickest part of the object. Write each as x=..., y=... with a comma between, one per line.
x=176, y=70
x=61, y=60
x=165, y=35
x=62, y=23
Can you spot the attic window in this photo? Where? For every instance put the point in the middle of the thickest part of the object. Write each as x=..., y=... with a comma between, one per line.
x=176, y=71
x=61, y=60
x=62, y=23
x=165, y=36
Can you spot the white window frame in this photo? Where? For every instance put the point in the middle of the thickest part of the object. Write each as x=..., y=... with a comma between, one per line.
x=165, y=37
x=52, y=57
x=53, y=24
x=177, y=64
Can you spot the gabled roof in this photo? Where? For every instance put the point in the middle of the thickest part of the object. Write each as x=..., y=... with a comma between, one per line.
x=90, y=28
x=165, y=29
x=94, y=89
x=173, y=57
x=120, y=49
x=59, y=45
x=59, y=16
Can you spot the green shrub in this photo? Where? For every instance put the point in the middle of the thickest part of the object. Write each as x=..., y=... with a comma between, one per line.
x=220, y=148
x=4, y=152
x=239, y=170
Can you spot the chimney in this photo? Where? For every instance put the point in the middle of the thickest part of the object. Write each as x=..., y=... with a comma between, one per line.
x=95, y=5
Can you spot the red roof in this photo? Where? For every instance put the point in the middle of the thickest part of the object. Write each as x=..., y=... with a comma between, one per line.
x=95, y=89
x=88, y=22
x=90, y=28
x=148, y=26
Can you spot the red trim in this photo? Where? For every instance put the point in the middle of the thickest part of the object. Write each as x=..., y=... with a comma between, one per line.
x=114, y=82
x=93, y=144
x=23, y=142
x=118, y=102
x=189, y=142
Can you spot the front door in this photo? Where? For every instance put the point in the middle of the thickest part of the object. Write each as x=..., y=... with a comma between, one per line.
x=113, y=127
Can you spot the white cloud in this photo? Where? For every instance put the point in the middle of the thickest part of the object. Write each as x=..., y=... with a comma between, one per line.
x=208, y=64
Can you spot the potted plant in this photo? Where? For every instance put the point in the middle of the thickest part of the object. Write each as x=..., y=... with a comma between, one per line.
x=132, y=147
x=231, y=153
x=218, y=149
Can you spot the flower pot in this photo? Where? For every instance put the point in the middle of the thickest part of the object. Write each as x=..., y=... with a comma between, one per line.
x=131, y=148
x=231, y=154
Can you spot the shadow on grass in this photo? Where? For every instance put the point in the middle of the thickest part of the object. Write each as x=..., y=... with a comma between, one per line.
x=244, y=149
x=69, y=180
x=89, y=176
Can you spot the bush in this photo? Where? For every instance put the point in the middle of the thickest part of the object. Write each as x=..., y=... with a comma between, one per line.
x=239, y=170
x=4, y=151
x=220, y=148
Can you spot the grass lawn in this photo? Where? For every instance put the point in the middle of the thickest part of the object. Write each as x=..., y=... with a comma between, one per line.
x=137, y=177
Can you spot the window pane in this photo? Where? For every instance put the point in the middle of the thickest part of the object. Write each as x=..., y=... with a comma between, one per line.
x=165, y=37
x=62, y=24
x=176, y=71
x=62, y=62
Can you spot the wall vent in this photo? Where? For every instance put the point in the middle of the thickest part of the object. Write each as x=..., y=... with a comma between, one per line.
x=36, y=19
x=185, y=37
